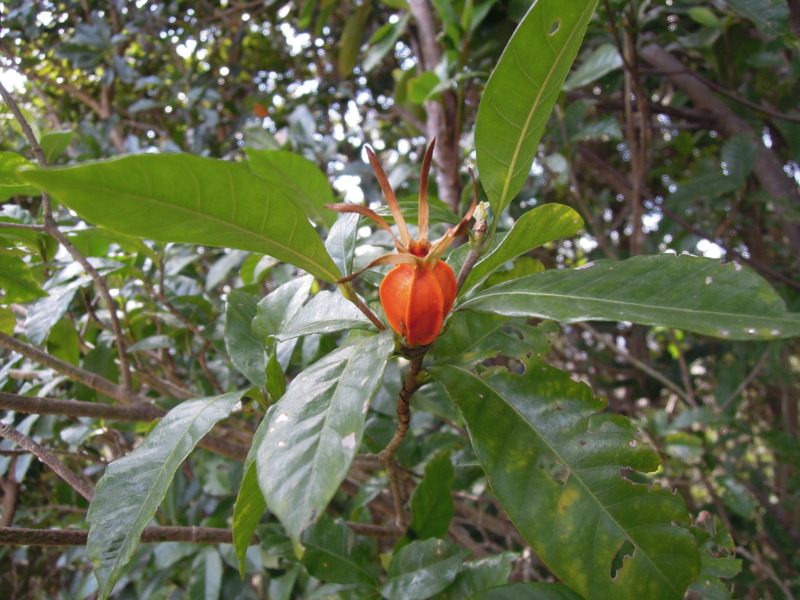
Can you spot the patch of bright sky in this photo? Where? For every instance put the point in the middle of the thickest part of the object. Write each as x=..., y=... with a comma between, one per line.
x=13, y=81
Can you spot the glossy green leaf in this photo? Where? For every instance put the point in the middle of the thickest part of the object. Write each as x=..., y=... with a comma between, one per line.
x=603, y=60
x=326, y=312
x=205, y=576
x=185, y=198
x=247, y=512
x=250, y=505
x=315, y=430
x=685, y=292
x=478, y=575
x=422, y=569
x=16, y=280
x=246, y=349
x=521, y=93
x=739, y=155
x=277, y=308
x=465, y=331
x=352, y=37
x=132, y=487
x=383, y=41
x=10, y=182
x=341, y=242
x=530, y=591
x=298, y=178
x=55, y=143
x=334, y=553
x=557, y=469
x=432, y=506
x=46, y=312
x=533, y=229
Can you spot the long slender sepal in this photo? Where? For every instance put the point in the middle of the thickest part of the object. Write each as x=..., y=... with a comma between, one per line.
x=346, y=207
x=391, y=199
x=423, y=192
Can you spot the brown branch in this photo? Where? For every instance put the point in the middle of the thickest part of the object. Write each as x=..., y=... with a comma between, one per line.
x=52, y=228
x=48, y=458
x=143, y=411
x=65, y=537
x=768, y=167
x=214, y=443
x=619, y=184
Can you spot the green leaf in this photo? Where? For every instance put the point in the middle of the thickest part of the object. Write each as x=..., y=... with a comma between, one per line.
x=603, y=60
x=333, y=553
x=250, y=505
x=521, y=93
x=770, y=16
x=685, y=292
x=557, y=469
x=133, y=486
x=739, y=157
x=315, y=430
x=529, y=591
x=10, y=182
x=383, y=41
x=533, y=229
x=352, y=36
x=16, y=281
x=246, y=349
x=421, y=86
x=422, y=569
x=341, y=242
x=298, y=178
x=55, y=143
x=326, y=312
x=478, y=575
x=275, y=310
x=247, y=512
x=467, y=330
x=704, y=16
x=46, y=312
x=432, y=506
x=185, y=198
x=205, y=577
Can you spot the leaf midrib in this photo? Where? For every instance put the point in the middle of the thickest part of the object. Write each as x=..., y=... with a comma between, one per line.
x=486, y=296
x=97, y=188
x=524, y=131
x=161, y=470
x=573, y=472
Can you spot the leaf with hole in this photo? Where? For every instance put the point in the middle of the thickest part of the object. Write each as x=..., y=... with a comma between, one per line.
x=521, y=93
x=558, y=470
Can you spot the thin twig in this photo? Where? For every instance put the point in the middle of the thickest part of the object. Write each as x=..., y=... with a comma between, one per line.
x=142, y=411
x=746, y=381
x=213, y=443
x=642, y=366
x=64, y=537
x=52, y=228
x=410, y=385
x=48, y=458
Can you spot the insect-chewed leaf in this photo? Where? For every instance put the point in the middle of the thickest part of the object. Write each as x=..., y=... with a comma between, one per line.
x=521, y=92
x=555, y=463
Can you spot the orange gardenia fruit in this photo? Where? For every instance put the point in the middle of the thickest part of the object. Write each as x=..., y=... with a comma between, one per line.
x=417, y=294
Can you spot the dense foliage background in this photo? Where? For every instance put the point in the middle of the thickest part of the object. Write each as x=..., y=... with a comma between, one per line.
x=677, y=130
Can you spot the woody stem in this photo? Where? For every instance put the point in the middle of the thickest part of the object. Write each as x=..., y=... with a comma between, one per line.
x=410, y=385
